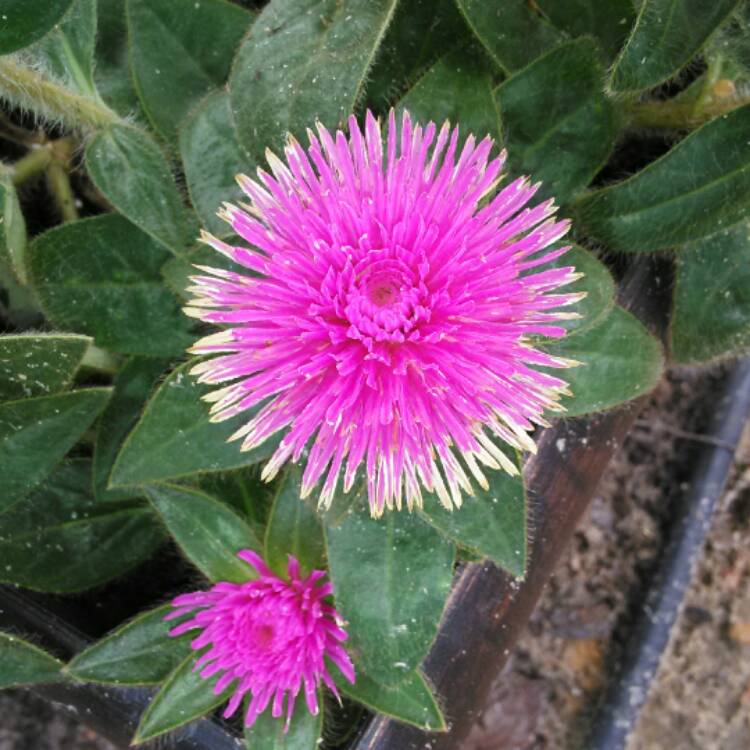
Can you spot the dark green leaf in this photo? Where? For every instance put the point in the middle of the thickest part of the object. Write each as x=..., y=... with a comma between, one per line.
x=294, y=527
x=141, y=652
x=303, y=60
x=23, y=663
x=458, y=87
x=410, y=701
x=132, y=386
x=177, y=271
x=512, y=31
x=132, y=173
x=185, y=696
x=19, y=27
x=545, y=110
x=207, y=531
x=179, y=51
x=38, y=364
x=268, y=733
x=620, y=361
x=174, y=437
x=61, y=540
x=491, y=523
x=391, y=577
x=36, y=433
x=667, y=34
x=209, y=130
x=699, y=187
x=102, y=276
x=712, y=297
x=607, y=20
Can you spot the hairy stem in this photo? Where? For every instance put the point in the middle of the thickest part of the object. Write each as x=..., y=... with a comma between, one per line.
x=34, y=163
x=58, y=179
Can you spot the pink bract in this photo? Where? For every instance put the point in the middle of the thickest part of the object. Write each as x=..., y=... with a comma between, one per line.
x=270, y=637
x=386, y=312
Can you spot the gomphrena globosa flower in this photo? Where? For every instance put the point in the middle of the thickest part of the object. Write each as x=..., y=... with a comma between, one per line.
x=269, y=637
x=388, y=314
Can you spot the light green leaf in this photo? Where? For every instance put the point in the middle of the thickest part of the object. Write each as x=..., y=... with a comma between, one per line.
x=184, y=697
x=666, y=36
x=61, y=540
x=36, y=433
x=513, y=31
x=712, y=297
x=179, y=51
x=38, y=364
x=699, y=187
x=132, y=173
x=391, y=577
x=19, y=28
x=209, y=129
x=102, y=276
x=620, y=360
x=547, y=107
x=293, y=527
x=304, y=60
x=174, y=437
x=141, y=652
x=23, y=663
x=304, y=731
x=12, y=233
x=206, y=530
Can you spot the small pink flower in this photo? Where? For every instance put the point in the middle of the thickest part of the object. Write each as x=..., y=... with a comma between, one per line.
x=388, y=312
x=268, y=636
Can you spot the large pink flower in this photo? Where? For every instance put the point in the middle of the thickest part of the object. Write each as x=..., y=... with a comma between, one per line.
x=269, y=636
x=387, y=317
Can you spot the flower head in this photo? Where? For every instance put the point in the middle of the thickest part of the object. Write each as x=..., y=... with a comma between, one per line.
x=269, y=636
x=386, y=315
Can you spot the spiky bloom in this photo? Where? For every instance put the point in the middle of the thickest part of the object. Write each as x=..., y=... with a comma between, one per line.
x=387, y=313
x=269, y=636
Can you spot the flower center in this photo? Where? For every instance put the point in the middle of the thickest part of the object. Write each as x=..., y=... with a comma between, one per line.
x=382, y=292
x=264, y=635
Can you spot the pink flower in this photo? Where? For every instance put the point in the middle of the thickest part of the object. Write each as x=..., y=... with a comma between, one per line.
x=268, y=636
x=387, y=313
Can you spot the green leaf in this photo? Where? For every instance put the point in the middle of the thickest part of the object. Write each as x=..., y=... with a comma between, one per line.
x=699, y=187
x=12, y=232
x=102, y=276
x=620, y=360
x=20, y=28
x=294, y=528
x=391, y=577
x=209, y=129
x=179, y=51
x=268, y=733
x=545, y=110
x=38, y=364
x=512, y=31
x=458, y=87
x=666, y=36
x=132, y=173
x=607, y=20
x=185, y=696
x=61, y=540
x=141, y=652
x=23, y=663
x=421, y=31
x=36, y=433
x=410, y=701
x=177, y=271
x=712, y=297
x=132, y=386
x=491, y=522
x=303, y=60
x=206, y=530
x=174, y=437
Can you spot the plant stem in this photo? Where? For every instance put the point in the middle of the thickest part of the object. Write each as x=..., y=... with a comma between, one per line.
x=26, y=88
x=34, y=163
x=58, y=179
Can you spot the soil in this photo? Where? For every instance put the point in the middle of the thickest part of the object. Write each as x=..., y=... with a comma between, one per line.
x=548, y=692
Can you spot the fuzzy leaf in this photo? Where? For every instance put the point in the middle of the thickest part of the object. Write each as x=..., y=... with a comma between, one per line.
x=268, y=733
x=303, y=60
x=23, y=663
x=141, y=652
x=102, y=276
x=699, y=187
x=19, y=28
x=206, y=530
